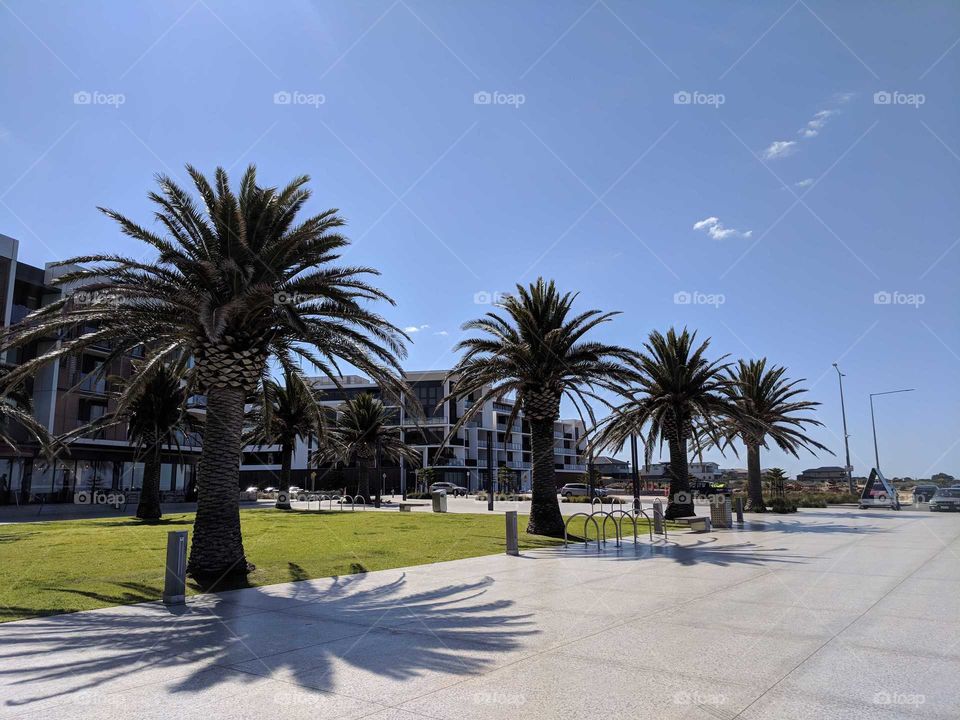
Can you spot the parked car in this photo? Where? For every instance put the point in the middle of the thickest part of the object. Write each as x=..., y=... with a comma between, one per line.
x=451, y=488
x=945, y=500
x=923, y=493
x=581, y=489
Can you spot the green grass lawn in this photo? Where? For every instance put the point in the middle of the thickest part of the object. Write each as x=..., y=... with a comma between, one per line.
x=70, y=565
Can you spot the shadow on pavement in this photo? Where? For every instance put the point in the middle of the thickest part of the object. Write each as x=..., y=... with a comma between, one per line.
x=431, y=630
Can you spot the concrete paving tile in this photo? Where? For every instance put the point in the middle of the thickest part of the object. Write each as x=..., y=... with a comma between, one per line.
x=773, y=620
x=725, y=655
x=835, y=592
x=906, y=684
x=791, y=704
x=937, y=636
x=557, y=687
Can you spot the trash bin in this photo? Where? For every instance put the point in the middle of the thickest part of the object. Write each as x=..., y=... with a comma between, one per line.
x=439, y=498
x=721, y=511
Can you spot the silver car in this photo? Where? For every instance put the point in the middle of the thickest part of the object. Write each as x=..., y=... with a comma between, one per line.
x=946, y=500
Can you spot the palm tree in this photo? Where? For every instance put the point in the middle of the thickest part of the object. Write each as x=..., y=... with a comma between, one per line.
x=775, y=478
x=282, y=415
x=769, y=409
x=237, y=280
x=536, y=351
x=154, y=410
x=366, y=432
x=679, y=396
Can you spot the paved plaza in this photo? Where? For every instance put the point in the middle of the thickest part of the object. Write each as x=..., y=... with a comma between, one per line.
x=825, y=614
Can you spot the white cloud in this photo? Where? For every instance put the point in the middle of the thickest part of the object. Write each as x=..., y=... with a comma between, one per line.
x=415, y=328
x=815, y=125
x=779, y=149
x=441, y=332
x=806, y=182
x=718, y=231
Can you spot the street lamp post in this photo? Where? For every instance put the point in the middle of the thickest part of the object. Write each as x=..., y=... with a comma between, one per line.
x=846, y=438
x=873, y=422
x=635, y=474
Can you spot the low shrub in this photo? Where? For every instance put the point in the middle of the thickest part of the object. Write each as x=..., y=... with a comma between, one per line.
x=418, y=496
x=782, y=505
x=585, y=499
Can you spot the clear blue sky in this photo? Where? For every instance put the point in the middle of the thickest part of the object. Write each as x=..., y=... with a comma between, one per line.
x=808, y=196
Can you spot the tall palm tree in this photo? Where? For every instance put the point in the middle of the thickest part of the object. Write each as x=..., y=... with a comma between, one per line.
x=770, y=409
x=237, y=279
x=154, y=410
x=282, y=415
x=679, y=396
x=536, y=352
x=366, y=429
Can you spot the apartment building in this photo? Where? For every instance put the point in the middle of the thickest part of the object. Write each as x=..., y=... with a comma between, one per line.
x=463, y=460
x=660, y=472
x=66, y=395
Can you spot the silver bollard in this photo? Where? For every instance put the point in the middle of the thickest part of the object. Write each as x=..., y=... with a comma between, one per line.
x=175, y=577
x=513, y=538
x=739, y=511
x=658, y=519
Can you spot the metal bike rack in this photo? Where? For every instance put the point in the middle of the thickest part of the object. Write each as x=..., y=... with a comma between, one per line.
x=626, y=514
x=603, y=527
x=339, y=499
x=596, y=500
x=586, y=540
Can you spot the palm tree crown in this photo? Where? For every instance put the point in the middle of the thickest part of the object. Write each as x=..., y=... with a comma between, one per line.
x=237, y=279
x=536, y=351
x=676, y=395
x=770, y=409
x=365, y=428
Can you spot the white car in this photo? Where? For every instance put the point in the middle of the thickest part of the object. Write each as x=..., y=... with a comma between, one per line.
x=581, y=489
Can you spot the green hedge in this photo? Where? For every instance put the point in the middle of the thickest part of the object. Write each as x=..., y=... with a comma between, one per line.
x=586, y=499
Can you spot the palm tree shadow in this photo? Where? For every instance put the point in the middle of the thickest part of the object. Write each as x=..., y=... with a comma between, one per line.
x=309, y=630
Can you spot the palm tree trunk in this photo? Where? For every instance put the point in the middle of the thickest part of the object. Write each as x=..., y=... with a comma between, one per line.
x=545, y=517
x=149, y=506
x=217, y=548
x=286, y=461
x=364, y=479
x=755, y=501
x=679, y=482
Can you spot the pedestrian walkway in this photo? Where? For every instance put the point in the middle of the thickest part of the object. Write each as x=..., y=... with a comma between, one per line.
x=824, y=614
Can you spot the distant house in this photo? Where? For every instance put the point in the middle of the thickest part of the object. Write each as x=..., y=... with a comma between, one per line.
x=826, y=474
x=612, y=467
x=659, y=472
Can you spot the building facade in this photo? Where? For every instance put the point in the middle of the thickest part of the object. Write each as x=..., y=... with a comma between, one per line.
x=67, y=394
x=462, y=460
